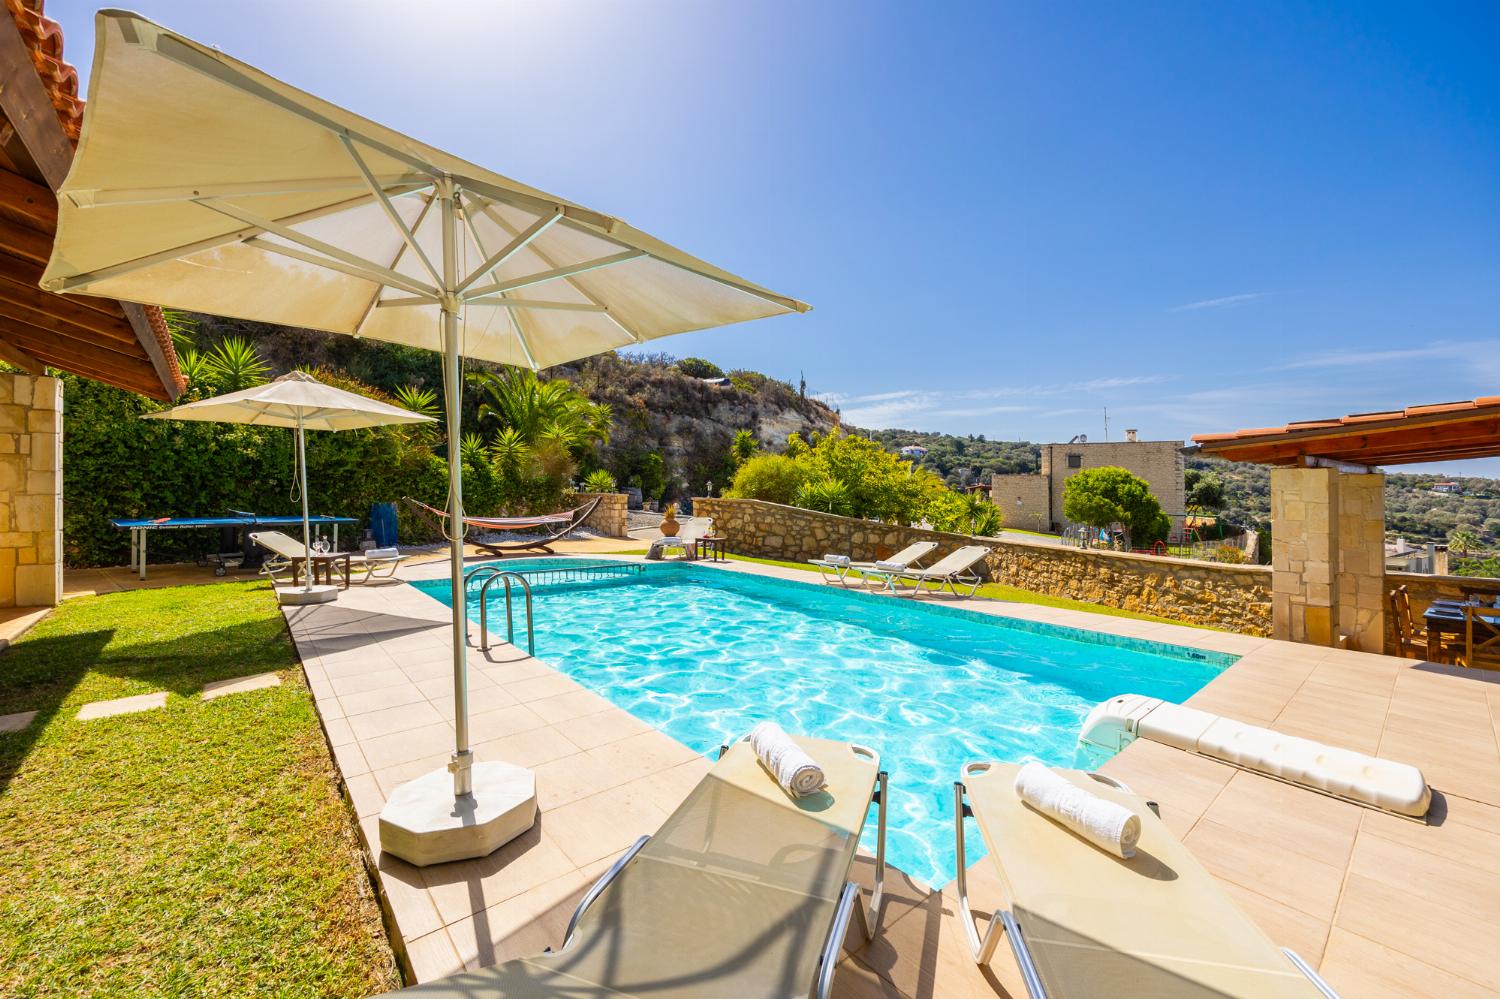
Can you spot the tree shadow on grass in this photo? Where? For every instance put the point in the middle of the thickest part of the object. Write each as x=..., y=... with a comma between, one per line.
x=57, y=674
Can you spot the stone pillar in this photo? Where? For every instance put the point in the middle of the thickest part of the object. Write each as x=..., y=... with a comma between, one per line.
x=1328, y=557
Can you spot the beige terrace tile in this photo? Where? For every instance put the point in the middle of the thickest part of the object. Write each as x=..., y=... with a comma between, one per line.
x=595, y=729
x=575, y=704
x=667, y=788
x=527, y=749
x=1305, y=823
x=1436, y=933
x=392, y=777
x=560, y=781
x=540, y=687
x=338, y=730
x=1287, y=927
x=433, y=956
x=641, y=755
x=1260, y=863
x=1363, y=969
x=485, y=726
x=482, y=698
x=522, y=925
x=461, y=889
x=403, y=747
x=603, y=824
x=351, y=760
x=364, y=682
x=379, y=700
x=400, y=718
x=365, y=795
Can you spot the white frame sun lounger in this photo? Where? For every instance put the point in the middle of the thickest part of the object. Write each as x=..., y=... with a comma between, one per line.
x=1083, y=922
x=950, y=572
x=375, y=567
x=744, y=890
x=837, y=572
x=293, y=554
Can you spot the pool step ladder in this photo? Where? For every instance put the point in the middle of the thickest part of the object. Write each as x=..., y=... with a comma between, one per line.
x=491, y=574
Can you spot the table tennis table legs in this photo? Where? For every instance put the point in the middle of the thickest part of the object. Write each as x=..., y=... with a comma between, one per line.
x=138, y=551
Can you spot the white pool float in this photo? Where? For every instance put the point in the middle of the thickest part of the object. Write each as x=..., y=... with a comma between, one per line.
x=1342, y=773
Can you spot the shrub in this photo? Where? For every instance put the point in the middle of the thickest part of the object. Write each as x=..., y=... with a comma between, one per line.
x=599, y=481
x=1229, y=554
x=774, y=478
x=697, y=367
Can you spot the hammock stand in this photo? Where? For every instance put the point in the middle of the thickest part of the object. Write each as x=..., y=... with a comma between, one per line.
x=562, y=524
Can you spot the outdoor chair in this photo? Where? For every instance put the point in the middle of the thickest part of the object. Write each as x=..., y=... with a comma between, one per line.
x=1410, y=643
x=743, y=891
x=1481, y=637
x=838, y=571
x=1082, y=922
x=951, y=571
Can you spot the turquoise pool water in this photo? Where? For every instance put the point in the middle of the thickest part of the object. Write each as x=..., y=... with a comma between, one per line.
x=703, y=655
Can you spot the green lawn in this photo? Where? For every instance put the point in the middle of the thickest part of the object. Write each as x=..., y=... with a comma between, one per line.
x=201, y=849
x=1013, y=594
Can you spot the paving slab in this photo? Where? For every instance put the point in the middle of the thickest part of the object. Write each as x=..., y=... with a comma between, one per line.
x=239, y=685
x=16, y=722
x=122, y=706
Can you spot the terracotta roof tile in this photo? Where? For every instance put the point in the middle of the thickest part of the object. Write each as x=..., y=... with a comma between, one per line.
x=1475, y=416
x=44, y=38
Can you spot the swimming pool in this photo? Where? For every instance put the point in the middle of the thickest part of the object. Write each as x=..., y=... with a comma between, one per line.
x=704, y=654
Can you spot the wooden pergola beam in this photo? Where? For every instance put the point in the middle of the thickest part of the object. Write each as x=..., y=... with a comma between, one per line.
x=26, y=203
x=28, y=274
x=21, y=359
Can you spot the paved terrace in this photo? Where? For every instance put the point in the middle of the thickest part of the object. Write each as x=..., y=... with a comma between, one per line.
x=1383, y=906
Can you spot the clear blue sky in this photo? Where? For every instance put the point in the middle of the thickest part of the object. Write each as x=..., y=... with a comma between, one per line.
x=1007, y=217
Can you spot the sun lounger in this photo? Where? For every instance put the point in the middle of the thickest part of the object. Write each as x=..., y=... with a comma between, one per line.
x=743, y=891
x=377, y=563
x=949, y=572
x=291, y=553
x=1340, y=773
x=837, y=570
x=1083, y=922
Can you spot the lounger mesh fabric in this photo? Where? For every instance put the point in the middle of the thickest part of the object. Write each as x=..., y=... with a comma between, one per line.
x=732, y=897
x=1156, y=925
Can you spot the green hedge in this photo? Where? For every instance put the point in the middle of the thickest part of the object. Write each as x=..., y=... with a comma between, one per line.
x=118, y=465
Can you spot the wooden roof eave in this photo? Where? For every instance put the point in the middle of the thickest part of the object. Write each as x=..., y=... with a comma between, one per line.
x=27, y=219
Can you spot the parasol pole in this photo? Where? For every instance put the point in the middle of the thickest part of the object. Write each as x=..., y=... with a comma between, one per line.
x=307, y=564
x=463, y=758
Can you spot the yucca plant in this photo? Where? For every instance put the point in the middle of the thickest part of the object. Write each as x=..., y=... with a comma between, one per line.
x=423, y=401
x=827, y=495
x=235, y=364
x=472, y=448
x=194, y=367
x=599, y=481
x=509, y=450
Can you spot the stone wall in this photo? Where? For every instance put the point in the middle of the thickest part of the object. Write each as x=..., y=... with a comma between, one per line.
x=30, y=491
x=1025, y=500
x=609, y=516
x=1234, y=597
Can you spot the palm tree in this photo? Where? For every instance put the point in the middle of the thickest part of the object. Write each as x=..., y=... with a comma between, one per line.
x=1463, y=540
x=545, y=415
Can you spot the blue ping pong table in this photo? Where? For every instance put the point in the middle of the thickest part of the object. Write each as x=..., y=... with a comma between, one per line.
x=235, y=520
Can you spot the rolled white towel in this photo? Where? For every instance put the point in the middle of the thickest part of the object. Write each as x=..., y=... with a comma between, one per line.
x=890, y=566
x=1107, y=824
x=792, y=768
x=383, y=553
x=836, y=559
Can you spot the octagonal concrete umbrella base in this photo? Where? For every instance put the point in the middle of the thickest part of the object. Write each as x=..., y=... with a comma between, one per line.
x=294, y=596
x=423, y=823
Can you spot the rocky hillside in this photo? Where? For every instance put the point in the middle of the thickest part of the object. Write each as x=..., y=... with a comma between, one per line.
x=666, y=408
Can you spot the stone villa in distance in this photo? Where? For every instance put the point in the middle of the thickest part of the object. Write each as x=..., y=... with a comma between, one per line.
x=1035, y=502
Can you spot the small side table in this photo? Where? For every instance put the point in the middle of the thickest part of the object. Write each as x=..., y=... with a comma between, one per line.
x=711, y=548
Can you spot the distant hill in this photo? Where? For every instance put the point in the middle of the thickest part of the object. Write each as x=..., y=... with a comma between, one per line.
x=962, y=461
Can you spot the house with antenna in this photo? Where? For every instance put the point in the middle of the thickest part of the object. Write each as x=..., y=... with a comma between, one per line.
x=1034, y=502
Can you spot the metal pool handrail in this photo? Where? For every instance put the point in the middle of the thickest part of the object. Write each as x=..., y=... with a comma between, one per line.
x=510, y=624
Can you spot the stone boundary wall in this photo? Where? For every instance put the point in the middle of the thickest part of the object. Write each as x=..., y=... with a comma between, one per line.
x=1233, y=597
x=609, y=516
